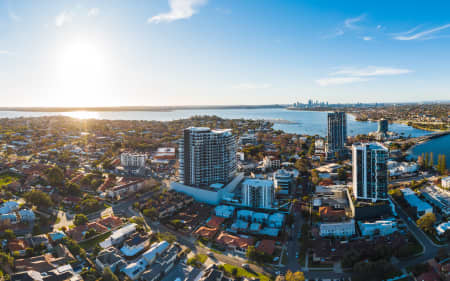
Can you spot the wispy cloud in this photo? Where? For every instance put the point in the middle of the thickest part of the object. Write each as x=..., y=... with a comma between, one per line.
x=252, y=86
x=13, y=16
x=179, y=9
x=422, y=35
x=63, y=18
x=351, y=22
x=353, y=75
x=367, y=38
x=371, y=71
x=348, y=24
x=93, y=12
x=339, y=80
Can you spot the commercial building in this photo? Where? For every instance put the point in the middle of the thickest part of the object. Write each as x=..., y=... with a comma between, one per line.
x=132, y=160
x=445, y=182
x=381, y=227
x=337, y=134
x=414, y=201
x=370, y=177
x=258, y=193
x=438, y=197
x=207, y=157
x=283, y=181
x=383, y=126
x=338, y=229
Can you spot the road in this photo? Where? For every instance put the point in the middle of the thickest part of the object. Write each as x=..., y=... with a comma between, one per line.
x=430, y=249
x=190, y=243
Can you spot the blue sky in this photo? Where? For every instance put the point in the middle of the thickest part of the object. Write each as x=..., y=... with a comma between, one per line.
x=203, y=52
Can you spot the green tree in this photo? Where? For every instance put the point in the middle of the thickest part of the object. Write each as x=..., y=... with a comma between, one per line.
x=73, y=189
x=80, y=219
x=55, y=176
x=38, y=198
x=426, y=222
x=294, y=276
x=9, y=234
x=108, y=275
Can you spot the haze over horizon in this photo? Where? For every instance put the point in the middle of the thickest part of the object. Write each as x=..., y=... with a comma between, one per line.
x=79, y=53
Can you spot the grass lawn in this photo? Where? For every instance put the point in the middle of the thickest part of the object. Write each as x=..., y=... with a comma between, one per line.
x=241, y=272
x=197, y=260
x=87, y=245
x=6, y=179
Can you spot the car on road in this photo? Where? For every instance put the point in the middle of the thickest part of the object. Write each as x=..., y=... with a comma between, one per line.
x=211, y=254
x=246, y=266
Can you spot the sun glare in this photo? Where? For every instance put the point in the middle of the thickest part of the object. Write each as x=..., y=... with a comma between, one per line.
x=82, y=114
x=82, y=74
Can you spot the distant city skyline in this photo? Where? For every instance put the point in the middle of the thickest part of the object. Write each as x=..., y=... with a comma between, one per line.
x=79, y=53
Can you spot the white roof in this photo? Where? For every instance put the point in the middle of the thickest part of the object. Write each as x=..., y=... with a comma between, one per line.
x=156, y=249
x=119, y=233
x=443, y=227
x=257, y=182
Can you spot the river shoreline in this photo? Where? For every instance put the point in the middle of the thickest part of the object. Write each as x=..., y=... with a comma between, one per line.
x=403, y=122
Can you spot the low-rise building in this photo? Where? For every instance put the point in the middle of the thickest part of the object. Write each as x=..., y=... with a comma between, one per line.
x=443, y=227
x=134, y=245
x=414, y=201
x=283, y=180
x=338, y=229
x=224, y=211
x=235, y=243
x=438, y=197
x=119, y=235
x=445, y=182
x=381, y=227
x=110, y=258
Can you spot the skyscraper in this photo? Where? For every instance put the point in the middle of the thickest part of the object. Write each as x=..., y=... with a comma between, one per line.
x=207, y=156
x=370, y=176
x=383, y=125
x=258, y=193
x=337, y=133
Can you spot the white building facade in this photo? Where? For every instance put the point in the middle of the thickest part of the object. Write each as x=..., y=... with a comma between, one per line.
x=207, y=156
x=370, y=176
x=258, y=193
x=339, y=229
x=132, y=160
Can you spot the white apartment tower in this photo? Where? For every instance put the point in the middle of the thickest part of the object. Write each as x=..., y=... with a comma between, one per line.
x=207, y=156
x=258, y=193
x=370, y=176
x=132, y=160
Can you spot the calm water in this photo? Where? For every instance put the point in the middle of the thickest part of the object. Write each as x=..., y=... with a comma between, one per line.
x=437, y=146
x=306, y=122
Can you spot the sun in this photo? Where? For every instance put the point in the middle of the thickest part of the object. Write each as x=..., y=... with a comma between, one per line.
x=82, y=74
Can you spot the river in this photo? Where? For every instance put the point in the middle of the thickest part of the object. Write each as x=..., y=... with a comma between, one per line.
x=300, y=122
x=437, y=146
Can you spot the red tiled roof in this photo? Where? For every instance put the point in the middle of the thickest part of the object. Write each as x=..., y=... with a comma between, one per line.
x=236, y=241
x=215, y=221
x=110, y=222
x=77, y=233
x=266, y=246
x=206, y=232
x=327, y=211
x=17, y=245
